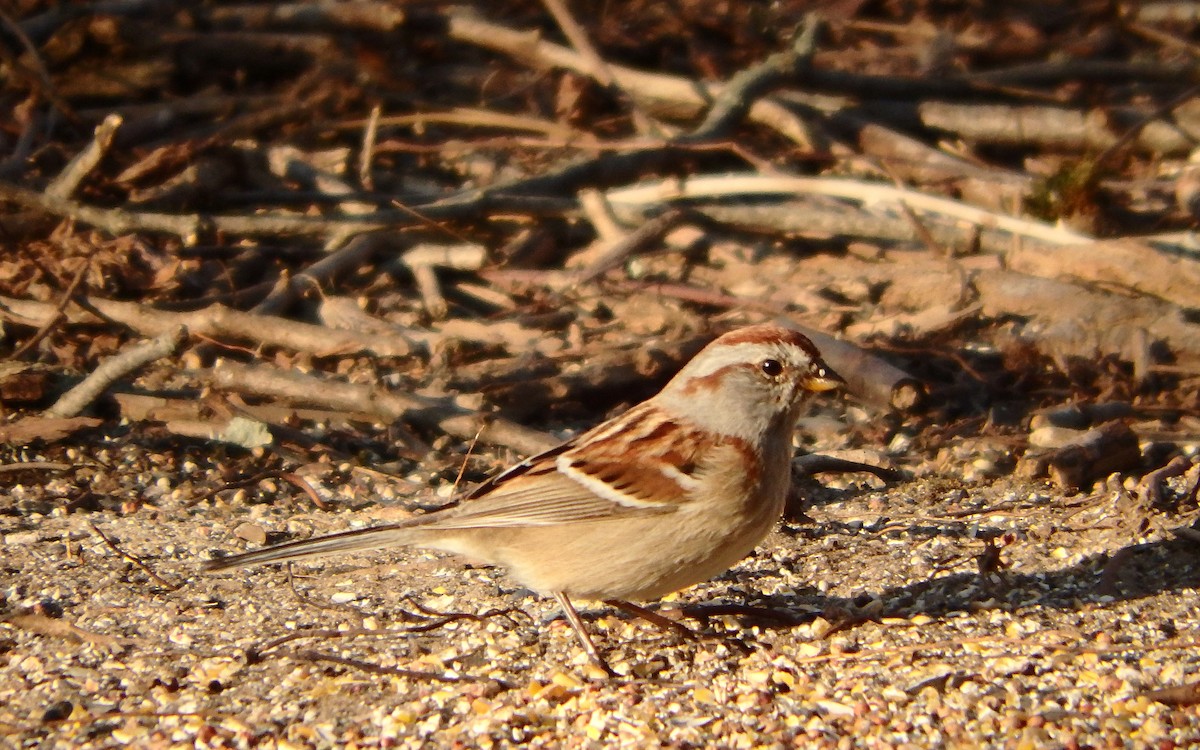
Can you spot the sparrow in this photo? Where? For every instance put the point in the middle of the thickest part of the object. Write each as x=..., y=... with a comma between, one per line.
x=672, y=492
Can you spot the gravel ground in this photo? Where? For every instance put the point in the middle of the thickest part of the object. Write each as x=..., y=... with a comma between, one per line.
x=931, y=613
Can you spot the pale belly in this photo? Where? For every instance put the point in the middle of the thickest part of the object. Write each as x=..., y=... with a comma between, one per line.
x=634, y=559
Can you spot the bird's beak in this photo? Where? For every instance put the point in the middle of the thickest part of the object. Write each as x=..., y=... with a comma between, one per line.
x=822, y=379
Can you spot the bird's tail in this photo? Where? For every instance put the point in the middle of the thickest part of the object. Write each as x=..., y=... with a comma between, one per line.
x=357, y=540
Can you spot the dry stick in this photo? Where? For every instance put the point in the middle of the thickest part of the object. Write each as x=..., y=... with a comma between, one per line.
x=421, y=262
x=366, y=154
x=1096, y=453
x=114, y=368
x=597, y=67
x=595, y=209
x=191, y=227
x=867, y=376
x=439, y=414
x=1162, y=37
x=748, y=184
x=1150, y=488
x=1136, y=130
x=362, y=15
x=664, y=95
x=35, y=466
x=738, y=94
x=35, y=622
x=819, y=219
x=631, y=243
x=1046, y=126
x=183, y=145
x=86, y=160
x=816, y=463
x=909, y=156
x=216, y=321
x=355, y=253
x=135, y=560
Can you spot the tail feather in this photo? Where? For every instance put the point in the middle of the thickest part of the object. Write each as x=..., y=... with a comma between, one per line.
x=346, y=541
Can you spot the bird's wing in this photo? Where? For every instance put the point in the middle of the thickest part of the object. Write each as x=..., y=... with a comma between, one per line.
x=634, y=464
x=534, y=501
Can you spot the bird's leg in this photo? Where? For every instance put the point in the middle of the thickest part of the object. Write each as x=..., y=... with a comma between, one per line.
x=581, y=632
x=666, y=623
x=653, y=618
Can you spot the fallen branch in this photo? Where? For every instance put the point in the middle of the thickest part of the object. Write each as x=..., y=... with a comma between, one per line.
x=597, y=67
x=113, y=369
x=85, y=161
x=619, y=249
x=738, y=95
x=667, y=96
x=1073, y=130
x=867, y=375
x=356, y=252
x=437, y=414
x=422, y=262
x=744, y=185
x=215, y=321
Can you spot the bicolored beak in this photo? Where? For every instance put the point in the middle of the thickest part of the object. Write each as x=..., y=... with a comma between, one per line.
x=821, y=378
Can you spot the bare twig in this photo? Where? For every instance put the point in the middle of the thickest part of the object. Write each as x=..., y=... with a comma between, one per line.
x=713, y=186
x=35, y=466
x=597, y=67
x=114, y=368
x=135, y=560
x=663, y=95
x=441, y=414
x=215, y=321
x=355, y=253
x=41, y=75
x=192, y=227
x=1152, y=484
x=738, y=95
x=633, y=242
x=366, y=153
x=86, y=160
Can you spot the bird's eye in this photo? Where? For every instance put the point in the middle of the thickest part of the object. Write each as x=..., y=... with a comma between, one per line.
x=771, y=367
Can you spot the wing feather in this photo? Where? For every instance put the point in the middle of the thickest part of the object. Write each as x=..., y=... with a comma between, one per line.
x=637, y=463
x=552, y=499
